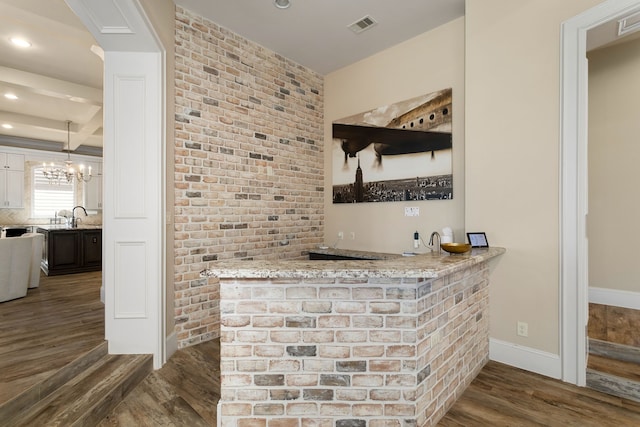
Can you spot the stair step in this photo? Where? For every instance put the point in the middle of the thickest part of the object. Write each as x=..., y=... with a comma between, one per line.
x=44, y=388
x=614, y=385
x=614, y=350
x=87, y=397
x=614, y=369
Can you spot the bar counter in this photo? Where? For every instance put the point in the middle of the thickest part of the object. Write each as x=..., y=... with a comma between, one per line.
x=390, y=341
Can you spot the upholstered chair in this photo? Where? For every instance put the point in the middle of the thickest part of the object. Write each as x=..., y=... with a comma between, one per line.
x=15, y=265
x=37, y=240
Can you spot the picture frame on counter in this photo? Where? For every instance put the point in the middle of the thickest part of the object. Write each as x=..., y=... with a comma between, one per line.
x=478, y=240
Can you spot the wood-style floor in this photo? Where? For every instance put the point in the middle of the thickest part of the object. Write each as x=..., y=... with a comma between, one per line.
x=505, y=396
x=184, y=392
x=619, y=368
x=64, y=318
x=53, y=325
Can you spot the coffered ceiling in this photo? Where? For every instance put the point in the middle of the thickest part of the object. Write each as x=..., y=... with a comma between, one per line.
x=57, y=78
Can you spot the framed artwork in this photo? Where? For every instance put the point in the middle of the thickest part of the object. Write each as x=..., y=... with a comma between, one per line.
x=396, y=152
x=478, y=240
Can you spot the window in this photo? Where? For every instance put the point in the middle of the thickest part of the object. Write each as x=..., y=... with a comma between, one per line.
x=49, y=198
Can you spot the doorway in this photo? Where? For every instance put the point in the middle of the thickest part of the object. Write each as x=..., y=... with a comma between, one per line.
x=574, y=183
x=613, y=364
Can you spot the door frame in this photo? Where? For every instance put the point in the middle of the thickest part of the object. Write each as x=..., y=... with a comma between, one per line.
x=574, y=249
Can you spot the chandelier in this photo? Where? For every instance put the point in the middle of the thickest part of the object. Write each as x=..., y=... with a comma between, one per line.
x=56, y=174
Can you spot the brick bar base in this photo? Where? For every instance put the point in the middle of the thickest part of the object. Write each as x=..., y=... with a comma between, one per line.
x=350, y=352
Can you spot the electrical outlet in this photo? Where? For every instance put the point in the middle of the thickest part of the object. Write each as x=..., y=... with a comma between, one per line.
x=340, y=235
x=352, y=235
x=523, y=329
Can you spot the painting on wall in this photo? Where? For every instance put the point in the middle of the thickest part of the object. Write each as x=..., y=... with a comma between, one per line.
x=397, y=152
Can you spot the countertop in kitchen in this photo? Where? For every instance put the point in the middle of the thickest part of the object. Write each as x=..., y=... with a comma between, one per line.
x=65, y=227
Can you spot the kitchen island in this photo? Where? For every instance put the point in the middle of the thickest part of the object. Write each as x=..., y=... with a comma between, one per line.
x=368, y=342
x=69, y=250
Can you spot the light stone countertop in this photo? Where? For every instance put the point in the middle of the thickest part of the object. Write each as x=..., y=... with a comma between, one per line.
x=431, y=265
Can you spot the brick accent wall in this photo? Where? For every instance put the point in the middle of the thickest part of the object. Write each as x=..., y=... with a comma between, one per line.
x=350, y=352
x=249, y=163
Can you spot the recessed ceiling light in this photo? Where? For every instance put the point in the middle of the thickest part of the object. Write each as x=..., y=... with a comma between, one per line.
x=7, y=126
x=11, y=96
x=20, y=42
x=282, y=4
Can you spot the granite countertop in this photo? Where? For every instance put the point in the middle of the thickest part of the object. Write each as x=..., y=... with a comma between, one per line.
x=353, y=253
x=429, y=265
x=65, y=227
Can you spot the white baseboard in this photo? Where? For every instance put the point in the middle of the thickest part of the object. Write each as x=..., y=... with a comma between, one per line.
x=616, y=298
x=526, y=358
x=171, y=344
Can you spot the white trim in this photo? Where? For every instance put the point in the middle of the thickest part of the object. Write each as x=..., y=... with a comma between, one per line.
x=526, y=358
x=133, y=117
x=171, y=345
x=573, y=185
x=39, y=156
x=615, y=297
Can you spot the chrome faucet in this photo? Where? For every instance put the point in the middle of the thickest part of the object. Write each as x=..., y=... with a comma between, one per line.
x=431, y=243
x=74, y=220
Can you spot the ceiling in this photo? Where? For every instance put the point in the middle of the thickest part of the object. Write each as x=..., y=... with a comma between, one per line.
x=316, y=34
x=59, y=77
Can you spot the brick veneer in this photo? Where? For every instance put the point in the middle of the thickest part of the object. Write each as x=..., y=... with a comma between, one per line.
x=249, y=163
x=350, y=352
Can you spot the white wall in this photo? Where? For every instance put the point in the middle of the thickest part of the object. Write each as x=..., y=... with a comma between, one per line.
x=425, y=64
x=614, y=171
x=512, y=158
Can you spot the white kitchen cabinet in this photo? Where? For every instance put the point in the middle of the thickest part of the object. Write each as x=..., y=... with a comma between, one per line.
x=92, y=196
x=11, y=181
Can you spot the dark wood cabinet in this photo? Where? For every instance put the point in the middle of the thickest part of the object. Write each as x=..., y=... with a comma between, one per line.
x=69, y=250
x=92, y=248
x=325, y=256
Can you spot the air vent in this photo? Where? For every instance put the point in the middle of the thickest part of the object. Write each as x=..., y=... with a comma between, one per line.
x=362, y=24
